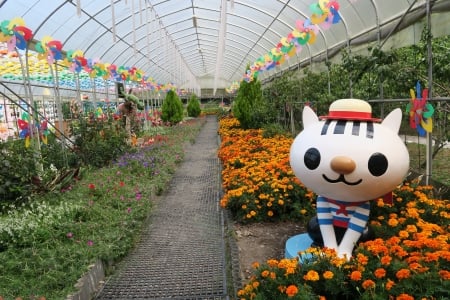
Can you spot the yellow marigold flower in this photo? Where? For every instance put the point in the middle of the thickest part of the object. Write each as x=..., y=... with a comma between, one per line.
x=328, y=274
x=368, y=284
x=380, y=202
x=381, y=218
x=311, y=276
x=272, y=263
x=290, y=270
x=280, y=202
x=255, y=284
x=255, y=265
x=411, y=228
x=273, y=275
x=303, y=211
x=265, y=273
x=253, y=213
x=392, y=222
x=291, y=290
x=403, y=274
x=244, y=206
x=403, y=234
x=269, y=204
x=356, y=276
x=248, y=216
x=270, y=213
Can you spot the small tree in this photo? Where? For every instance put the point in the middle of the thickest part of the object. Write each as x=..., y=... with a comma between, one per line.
x=248, y=107
x=193, y=107
x=172, y=108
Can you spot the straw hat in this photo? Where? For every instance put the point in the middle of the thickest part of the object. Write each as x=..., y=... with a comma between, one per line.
x=350, y=109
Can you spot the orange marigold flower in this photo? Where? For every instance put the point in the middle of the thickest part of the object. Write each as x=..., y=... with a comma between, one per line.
x=356, y=276
x=273, y=275
x=404, y=297
x=362, y=259
x=291, y=290
x=270, y=213
x=255, y=265
x=322, y=298
x=311, y=275
x=368, y=284
x=380, y=273
x=265, y=273
x=444, y=274
x=386, y=260
x=389, y=284
x=403, y=274
x=328, y=274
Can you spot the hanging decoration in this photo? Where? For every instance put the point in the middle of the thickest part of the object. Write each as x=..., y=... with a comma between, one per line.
x=15, y=34
x=420, y=111
x=24, y=126
x=324, y=13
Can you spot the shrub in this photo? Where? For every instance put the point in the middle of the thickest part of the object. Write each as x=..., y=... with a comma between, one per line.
x=193, y=107
x=248, y=107
x=17, y=168
x=99, y=142
x=172, y=108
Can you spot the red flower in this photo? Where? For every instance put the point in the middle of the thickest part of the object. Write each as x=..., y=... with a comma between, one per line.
x=91, y=186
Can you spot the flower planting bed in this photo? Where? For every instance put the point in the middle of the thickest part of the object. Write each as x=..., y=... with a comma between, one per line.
x=409, y=258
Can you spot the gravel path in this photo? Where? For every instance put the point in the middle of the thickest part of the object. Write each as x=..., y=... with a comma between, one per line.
x=182, y=251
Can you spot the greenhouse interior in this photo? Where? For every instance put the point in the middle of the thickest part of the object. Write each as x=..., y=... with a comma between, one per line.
x=97, y=91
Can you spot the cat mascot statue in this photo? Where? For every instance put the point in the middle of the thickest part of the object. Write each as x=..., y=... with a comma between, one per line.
x=348, y=159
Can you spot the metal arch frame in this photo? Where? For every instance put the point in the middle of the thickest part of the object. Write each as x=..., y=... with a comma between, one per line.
x=126, y=43
x=267, y=29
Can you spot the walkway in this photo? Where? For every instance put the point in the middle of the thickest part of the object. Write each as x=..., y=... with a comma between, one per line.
x=182, y=252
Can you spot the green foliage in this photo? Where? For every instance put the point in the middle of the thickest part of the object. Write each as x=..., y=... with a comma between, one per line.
x=172, y=108
x=98, y=142
x=17, y=168
x=273, y=129
x=48, y=244
x=248, y=107
x=193, y=107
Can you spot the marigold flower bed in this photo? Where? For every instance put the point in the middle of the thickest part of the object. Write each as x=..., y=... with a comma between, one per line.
x=409, y=258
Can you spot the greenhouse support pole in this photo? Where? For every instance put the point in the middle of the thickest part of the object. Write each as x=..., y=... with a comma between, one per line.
x=32, y=120
x=429, y=149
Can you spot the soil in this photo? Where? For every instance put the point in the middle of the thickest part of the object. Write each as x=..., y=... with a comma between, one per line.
x=262, y=241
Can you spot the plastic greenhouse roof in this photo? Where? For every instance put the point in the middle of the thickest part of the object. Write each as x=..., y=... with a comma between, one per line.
x=208, y=43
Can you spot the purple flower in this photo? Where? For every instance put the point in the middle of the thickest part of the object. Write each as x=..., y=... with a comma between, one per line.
x=129, y=209
x=138, y=196
x=90, y=243
x=69, y=235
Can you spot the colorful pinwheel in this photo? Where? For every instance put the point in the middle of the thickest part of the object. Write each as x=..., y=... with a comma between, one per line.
x=25, y=133
x=420, y=111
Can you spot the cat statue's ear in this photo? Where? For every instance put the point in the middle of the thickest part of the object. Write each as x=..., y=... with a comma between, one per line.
x=309, y=117
x=393, y=120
